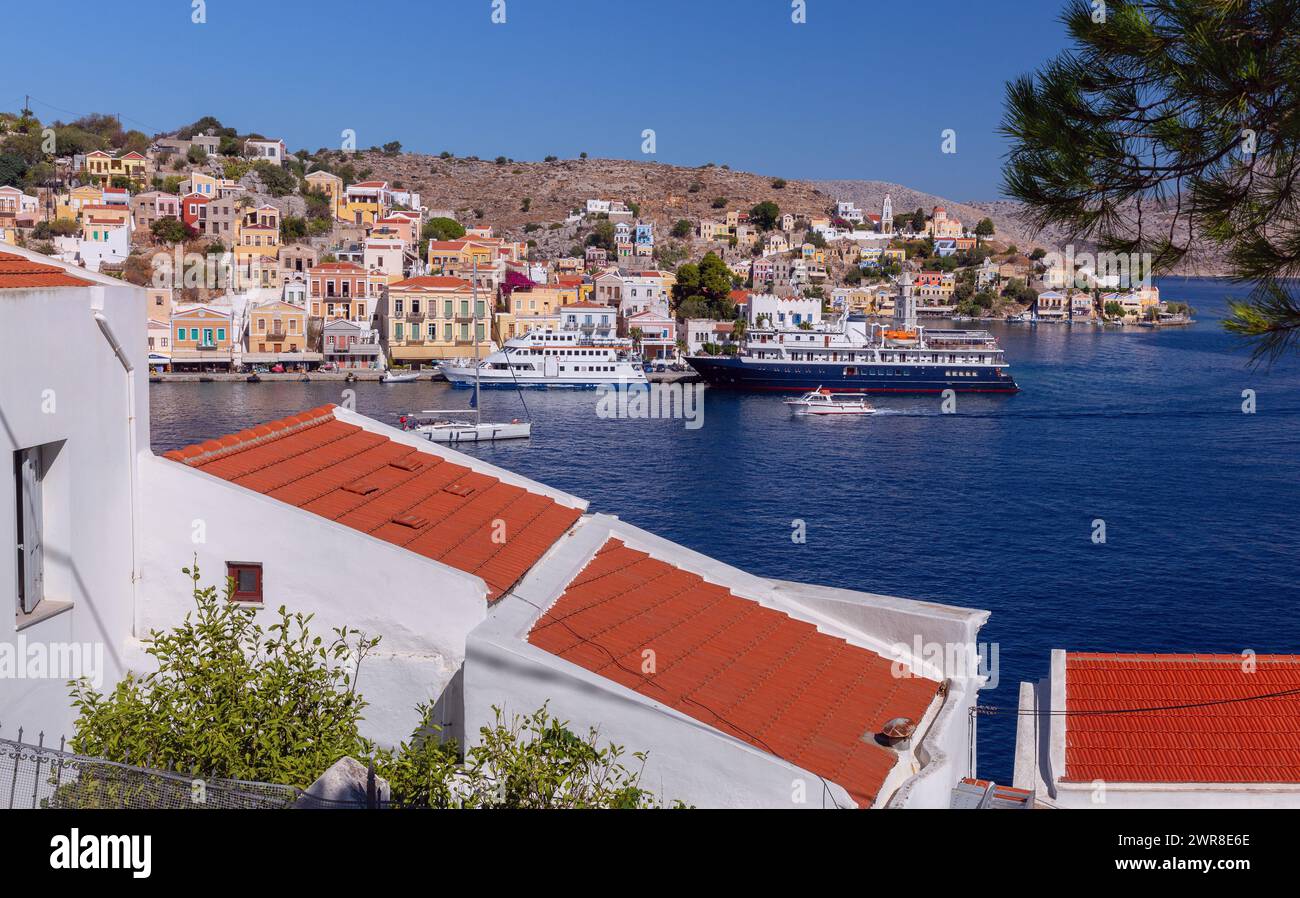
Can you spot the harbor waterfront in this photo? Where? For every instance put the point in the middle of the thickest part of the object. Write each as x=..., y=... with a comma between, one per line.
x=993, y=506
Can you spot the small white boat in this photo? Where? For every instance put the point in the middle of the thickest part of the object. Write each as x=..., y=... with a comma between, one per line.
x=823, y=402
x=453, y=432
x=448, y=430
x=400, y=377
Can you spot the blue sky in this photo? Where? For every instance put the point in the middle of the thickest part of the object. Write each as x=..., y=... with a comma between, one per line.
x=864, y=89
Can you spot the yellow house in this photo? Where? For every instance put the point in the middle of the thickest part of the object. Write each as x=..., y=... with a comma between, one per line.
x=458, y=257
x=102, y=167
x=277, y=327
x=98, y=220
x=539, y=308
x=332, y=186
x=366, y=202
x=201, y=338
x=203, y=185
x=713, y=230
x=257, y=247
x=78, y=198
x=431, y=317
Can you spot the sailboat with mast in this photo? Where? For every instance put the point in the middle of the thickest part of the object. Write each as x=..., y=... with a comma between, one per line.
x=443, y=429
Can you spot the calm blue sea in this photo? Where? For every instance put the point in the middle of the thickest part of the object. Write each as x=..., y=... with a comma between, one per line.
x=991, y=507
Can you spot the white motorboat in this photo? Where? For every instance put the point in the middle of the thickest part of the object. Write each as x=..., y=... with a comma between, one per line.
x=400, y=377
x=823, y=402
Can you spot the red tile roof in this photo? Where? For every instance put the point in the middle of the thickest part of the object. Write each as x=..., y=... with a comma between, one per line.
x=334, y=267
x=19, y=272
x=404, y=496
x=1219, y=739
x=752, y=672
x=432, y=282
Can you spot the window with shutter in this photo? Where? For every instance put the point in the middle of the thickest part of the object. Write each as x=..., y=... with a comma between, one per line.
x=248, y=580
x=31, y=551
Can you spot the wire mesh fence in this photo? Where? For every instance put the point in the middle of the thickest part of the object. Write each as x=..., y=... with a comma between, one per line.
x=40, y=776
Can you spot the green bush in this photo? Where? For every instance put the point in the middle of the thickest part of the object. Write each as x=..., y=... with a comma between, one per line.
x=232, y=699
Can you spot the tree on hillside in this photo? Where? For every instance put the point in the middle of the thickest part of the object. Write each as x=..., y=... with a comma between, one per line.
x=202, y=126
x=292, y=229
x=172, y=230
x=682, y=228
x=983, y=229
x=703, y=290
x=765, y=215
x=602, y=235
x=275, y=179
x=1187, y=106
x=442, y=228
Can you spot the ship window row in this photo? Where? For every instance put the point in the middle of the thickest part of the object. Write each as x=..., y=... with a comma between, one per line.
x=961, y=374
x=600, y=353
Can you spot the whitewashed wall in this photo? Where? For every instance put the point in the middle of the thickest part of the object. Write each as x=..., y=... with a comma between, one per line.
x=59, y=380
x=423, y=609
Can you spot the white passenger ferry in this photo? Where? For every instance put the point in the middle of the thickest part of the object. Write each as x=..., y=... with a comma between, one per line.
x=553, y=358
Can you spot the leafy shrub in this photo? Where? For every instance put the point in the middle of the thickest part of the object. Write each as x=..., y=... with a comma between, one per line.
x=232, y=699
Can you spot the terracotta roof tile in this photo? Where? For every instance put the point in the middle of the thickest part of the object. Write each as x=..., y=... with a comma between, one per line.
x=413, y=499
x=1220, y=739
x=752, y=672
x=18, y=272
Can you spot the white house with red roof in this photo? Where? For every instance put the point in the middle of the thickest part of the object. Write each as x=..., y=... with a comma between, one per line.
x=486, y=587
x=1161, y=731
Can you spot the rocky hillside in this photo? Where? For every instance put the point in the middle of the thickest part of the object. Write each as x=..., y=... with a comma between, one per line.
x=497, y=193
x=483, y=190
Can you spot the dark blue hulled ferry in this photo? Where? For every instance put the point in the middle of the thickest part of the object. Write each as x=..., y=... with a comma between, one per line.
x=855, y=355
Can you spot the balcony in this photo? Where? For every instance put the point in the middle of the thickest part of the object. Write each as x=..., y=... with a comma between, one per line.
x=278, y=335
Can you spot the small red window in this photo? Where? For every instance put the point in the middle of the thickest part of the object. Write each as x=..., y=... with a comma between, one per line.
x=248, y=580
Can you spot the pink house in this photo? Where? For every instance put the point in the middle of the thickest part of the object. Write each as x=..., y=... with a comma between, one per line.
x=658, y=334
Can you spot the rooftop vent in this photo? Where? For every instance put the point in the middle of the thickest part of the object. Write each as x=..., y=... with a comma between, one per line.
x=897, y=731
x=410, y=519
x=361, y=487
